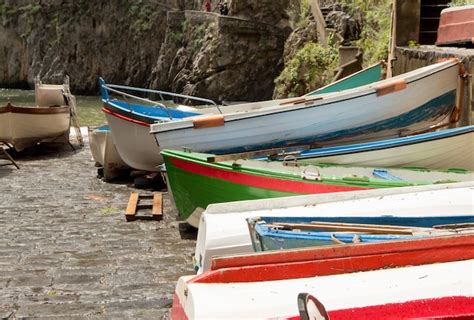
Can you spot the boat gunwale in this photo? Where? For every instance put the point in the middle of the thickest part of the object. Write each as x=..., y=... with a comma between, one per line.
x=34, y=110
x=338, y=97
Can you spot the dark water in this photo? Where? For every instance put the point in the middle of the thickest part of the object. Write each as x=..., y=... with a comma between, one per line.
x=88, y=107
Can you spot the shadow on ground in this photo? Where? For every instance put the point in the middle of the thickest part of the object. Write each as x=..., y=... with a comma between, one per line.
x=187, y=232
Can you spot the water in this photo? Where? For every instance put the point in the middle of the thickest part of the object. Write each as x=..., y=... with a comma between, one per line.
x=88, y=107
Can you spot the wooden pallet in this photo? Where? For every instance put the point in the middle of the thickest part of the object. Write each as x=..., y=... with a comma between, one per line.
x=155, y=203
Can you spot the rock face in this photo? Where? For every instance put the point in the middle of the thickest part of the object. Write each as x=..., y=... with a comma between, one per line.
x=222, y=58
x=117, y=39
x=135, y=42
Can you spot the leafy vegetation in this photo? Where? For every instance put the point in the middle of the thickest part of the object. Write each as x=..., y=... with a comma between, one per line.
x=376, y=22
x=143, y=17
x=311, y=67
x=456, y=3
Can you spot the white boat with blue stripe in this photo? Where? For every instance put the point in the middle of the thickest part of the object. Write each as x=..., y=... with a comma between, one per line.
x=410, y=102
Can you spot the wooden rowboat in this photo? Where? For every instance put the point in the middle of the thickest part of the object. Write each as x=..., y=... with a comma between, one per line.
x=427, y=273
x=223, y=229
x=456, y=26
x=413, y=101
x=277, y=233
x=195, y=183
x=450, y=148
x=130, y=121
x=48, y=121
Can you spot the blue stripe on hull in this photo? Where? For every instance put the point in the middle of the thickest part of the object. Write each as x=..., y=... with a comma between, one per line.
x=431, y=110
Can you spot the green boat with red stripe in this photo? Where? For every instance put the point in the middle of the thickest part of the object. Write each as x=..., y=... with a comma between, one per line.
x=195, y=182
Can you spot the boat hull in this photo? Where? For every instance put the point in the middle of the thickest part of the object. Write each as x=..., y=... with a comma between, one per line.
x=135, y=145
x=428, y=287
x=451, y=148
x=105, y=153
x=23, y=127
x=195, y=183
x=223, y=228
x=360, y=114
x=456, y=26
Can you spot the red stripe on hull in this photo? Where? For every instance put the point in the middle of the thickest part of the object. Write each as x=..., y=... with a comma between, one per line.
x=445, y=308
x=177, y=311
x=254, y=181
x=331, y=252
x=333, y=260
x=141, y=123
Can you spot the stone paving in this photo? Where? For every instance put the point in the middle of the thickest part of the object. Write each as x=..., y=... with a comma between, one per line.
x=66, y=251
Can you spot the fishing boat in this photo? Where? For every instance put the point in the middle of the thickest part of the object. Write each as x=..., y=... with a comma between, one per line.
x=456, y=26
x=130, y=118
x=409, y=102
x=223, y=228
x=47, y=121
x=449, y=148
x=425, y=273
x=277, y=233
x=195, y=180
x=105, y=154
x=130, y=121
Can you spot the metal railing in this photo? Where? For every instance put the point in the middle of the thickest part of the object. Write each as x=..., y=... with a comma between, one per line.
x=162, y=94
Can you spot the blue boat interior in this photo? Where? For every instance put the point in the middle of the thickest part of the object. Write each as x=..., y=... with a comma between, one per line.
x=271, y=237
x=154, y=112
x=423, y=222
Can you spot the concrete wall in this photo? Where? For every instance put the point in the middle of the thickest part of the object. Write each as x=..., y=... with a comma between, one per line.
x=407, y=59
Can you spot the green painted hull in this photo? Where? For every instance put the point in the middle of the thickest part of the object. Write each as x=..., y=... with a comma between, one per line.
x=191, y=191
x=195, y=184
x=369, y=75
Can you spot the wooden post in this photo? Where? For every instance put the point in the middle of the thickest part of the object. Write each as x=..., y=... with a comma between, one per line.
x=320, y=23
x=393, y=40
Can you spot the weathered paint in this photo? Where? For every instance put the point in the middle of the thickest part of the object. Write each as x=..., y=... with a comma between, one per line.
x=301, y=263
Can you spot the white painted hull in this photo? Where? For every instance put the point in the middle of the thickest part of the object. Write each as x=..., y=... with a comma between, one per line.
x=134, y=143
x=105, y=154
x=23, y=130
x=223, y=228
x=330, y=120
x=278, y=299
x=452, y=152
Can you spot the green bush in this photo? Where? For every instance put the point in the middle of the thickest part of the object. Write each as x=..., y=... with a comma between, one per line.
x=376, y=27
x=312, y=67
x=456, y=3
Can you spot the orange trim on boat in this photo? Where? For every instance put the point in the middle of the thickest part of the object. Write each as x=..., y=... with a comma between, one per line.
x=390, y=87
x=208, y=121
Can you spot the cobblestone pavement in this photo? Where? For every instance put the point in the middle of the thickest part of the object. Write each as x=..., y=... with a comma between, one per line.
x=66, y=251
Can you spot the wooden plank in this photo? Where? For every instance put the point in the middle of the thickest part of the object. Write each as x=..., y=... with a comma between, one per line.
x=132, y=204
x=157, y=210
x=301, y=100
x=368, y=229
